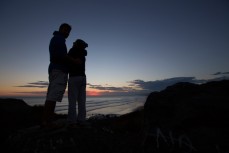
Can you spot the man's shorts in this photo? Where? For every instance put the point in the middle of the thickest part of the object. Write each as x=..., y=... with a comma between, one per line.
x=57, y=85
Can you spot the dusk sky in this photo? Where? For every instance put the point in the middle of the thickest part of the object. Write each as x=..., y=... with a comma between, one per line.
x=135, y=46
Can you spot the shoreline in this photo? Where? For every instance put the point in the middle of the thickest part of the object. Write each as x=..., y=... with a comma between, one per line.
x=118, y=105
x=182, y=118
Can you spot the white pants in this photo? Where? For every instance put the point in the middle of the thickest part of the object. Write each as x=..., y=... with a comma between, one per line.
x=77, y=92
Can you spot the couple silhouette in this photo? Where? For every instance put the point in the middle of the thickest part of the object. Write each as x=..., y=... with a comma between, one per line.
x=66, y=68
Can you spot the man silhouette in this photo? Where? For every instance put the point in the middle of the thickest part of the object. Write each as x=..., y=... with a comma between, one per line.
x=58, y=73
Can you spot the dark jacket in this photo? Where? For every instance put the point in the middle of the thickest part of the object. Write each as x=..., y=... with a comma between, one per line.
x=77, y=69
x=58, y=52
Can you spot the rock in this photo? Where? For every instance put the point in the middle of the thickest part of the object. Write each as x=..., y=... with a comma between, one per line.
x=9, y=105
x=187, y=117
x=183, y=118
x=15, y=114
x=110, y=133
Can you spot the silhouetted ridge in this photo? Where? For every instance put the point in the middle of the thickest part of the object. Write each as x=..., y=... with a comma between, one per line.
x=183, y=118
x=197, y=113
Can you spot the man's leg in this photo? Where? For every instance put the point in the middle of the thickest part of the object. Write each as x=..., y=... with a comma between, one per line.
x=56, y=89
x=48, y=113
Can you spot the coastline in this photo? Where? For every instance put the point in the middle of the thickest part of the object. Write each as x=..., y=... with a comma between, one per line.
x=20, y=122
x=118, y=105
x=182, y=118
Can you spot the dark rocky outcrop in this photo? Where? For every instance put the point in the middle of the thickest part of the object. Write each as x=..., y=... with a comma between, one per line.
x=187, y=117
x=183, y=118
x=20, y=132
x=15, y=114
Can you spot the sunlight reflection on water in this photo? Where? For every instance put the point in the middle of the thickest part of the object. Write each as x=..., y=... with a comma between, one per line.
x=97, y=105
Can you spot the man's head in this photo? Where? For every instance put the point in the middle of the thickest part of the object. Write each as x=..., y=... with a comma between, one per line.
x=65, y=29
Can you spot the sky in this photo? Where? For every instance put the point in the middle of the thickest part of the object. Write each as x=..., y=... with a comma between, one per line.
x=135, y=46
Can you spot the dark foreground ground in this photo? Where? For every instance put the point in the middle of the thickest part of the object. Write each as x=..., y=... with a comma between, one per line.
x=20, y=131
x=183, y=118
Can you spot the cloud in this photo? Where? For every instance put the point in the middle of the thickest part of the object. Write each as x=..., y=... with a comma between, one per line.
x=141, y=87
x=221, y=73
x=144, y=87
x=37, y=93
x=109, y=88
x=38, y=84
x=137, y=87
x=219, y=78
x=159, y=85
x=116, y=91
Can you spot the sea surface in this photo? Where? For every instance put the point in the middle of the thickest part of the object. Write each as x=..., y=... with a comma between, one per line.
x=116, y=105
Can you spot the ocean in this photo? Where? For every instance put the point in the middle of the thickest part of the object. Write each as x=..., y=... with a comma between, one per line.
x=116, y=105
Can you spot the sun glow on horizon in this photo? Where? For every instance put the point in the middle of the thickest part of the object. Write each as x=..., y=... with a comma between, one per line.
x=93, y=93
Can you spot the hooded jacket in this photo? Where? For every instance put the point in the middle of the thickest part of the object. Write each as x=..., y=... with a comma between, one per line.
x=58, y=52
x=77, y=69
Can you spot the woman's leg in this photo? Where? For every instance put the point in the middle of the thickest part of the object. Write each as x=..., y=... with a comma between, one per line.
x=82, y=100
x=72, y=97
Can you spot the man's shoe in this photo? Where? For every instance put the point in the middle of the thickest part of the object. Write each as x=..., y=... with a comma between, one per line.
x=84, y=124
x=72, y=126
x=50, y=126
